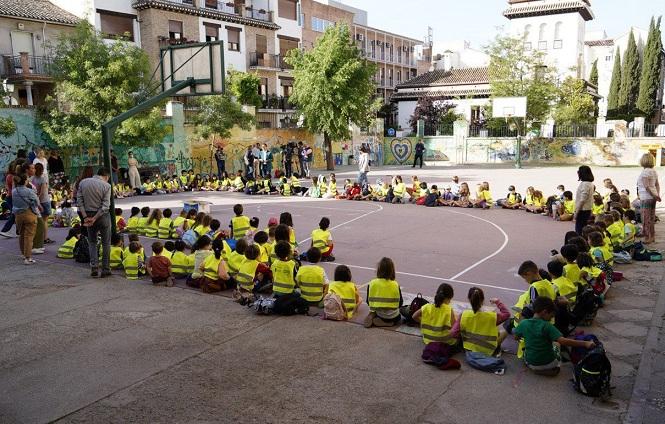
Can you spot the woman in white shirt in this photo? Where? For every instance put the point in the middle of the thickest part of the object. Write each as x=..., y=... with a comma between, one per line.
x=363, y=166
x=41, y=158
x=648, y=190
x=584, y=198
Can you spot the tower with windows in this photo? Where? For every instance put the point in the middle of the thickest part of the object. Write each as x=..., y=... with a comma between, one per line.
x=555, y=27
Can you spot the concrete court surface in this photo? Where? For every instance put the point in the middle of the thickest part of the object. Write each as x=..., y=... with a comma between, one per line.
x=83, y=350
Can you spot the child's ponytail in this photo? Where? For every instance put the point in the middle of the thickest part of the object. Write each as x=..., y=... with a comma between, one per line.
x=217, y=247
x=476, y=298
x=445, y=291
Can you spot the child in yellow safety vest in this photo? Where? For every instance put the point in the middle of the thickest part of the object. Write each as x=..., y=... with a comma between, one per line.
x=284, y=270
x=565, y=289
x=120, y=223
x=143, y=220
x=539, y=335
x=437, y=320
x=133, y=222
x=322, y=240
x=151, y=228
x=66, y=251
x=629, y=230
x=117, y=251
x=239, y=224
x=384, y=297
x=566, y=209
x=312, y=279
x=134, y=261
x=181, y=265
x=480, y=334
x=165, y=228
x=261, y=240
x=345, y=288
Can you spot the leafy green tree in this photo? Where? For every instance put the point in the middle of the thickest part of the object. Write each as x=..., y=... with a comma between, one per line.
x=95, y=82
x=7, y=126
x=432, y=110
x=647, y=101
x=218, y=114
x=615, y=87
x=517, y=72
x=244, y=86
x=630, y=77
x=575, y=105
x=593, y=76
x=333, y=87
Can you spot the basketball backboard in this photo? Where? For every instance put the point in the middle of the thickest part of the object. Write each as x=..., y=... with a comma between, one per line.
x=509, y=107
x=202, y=61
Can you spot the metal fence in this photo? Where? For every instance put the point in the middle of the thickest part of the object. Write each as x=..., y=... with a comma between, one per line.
x=438, y=129
x=491, y=132
x=574, y=130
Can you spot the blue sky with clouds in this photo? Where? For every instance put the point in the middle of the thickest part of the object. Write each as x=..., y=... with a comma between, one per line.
x=477, y=21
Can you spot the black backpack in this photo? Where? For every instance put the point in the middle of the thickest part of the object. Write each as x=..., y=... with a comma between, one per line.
x=586, y=306
x=82, y=250
x=290, y=304
x=407, y=311
x=591, y=375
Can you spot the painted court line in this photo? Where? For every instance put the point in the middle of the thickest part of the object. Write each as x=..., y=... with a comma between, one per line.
x=347, y=222
x=486, y=258
x=429, y=277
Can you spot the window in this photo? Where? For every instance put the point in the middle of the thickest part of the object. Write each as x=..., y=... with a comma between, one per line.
x=261, y=44
x=557, y=31
x=542, y=45
x=175, y=30
x=528, y=46
x=263, y=87
x=287, y=9
x=233, y=35
x=287, y=86
x=608, y=58
x=527, y=31
x=399, y=77
x=390, y=77
x=557, y=44
x=399, y=54
x=542, y=31
x=211, y=4
x=286, y=45
x=212, y=31
x=116, y=25
x=321, y=25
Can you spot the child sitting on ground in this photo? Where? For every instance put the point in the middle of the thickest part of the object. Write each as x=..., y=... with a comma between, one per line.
x=66, y=251
x=437, y=319
x=537, y=202
x=181, y=266
x=120, y=223
x=237, y=257
x=322, y=240
x=200, y=251
x=541, y=356
x=143, y=221
x=384, y=297
x=165, y=225
x=284, y=270
x=464, y=197
x=513, y=199
x=345, y=288
x=159, y=266
x=134, y=261
x=312, y=280
x=566, y=210
x=117, y=251
x=151, y=228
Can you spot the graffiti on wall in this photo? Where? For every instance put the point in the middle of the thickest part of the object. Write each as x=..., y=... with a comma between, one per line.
x=28, y=135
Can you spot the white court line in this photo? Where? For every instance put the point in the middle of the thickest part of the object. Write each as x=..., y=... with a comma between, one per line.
x=319, y=207
x=429, y=277
x=499, y=250
x=348, y=222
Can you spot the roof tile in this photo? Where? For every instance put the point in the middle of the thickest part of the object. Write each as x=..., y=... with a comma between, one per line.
x=37, y=10
x=461, y=76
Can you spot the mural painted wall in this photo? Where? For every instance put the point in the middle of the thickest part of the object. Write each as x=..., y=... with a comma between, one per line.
x=28, y=135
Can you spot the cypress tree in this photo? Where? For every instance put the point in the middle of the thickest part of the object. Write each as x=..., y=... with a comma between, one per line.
x=650, y=79
x=615, y=86
x=630, y=77
x=593, y=77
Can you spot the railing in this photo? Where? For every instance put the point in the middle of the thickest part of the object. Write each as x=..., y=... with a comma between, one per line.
x=222, y=6
x=259, y=14
x=574, y=130
x=438, y=129
x=230, y=8
x=282, y=62
x=277, y=103
x=25, y=65
x=273, y=120
x=650, y=130
x=482, y=131
x=264, y=60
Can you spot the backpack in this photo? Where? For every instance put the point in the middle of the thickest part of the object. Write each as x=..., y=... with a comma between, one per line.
x=333, y=307
x=407, y=311
x=263, y=306
x=643, y=254
x=82, y=250
x=190, y=237
x=622, y=257
x=586, y=306
x=290, y=304
x=591, y=375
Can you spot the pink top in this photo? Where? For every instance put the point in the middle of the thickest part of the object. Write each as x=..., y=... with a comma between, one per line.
x=501, y=316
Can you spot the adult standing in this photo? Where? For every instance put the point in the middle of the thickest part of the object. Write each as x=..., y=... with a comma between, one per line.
x=26, y=209
x=363, y=166
x=267, y=161
x=29, y=170
x=133, y=171
x=115, y=169
x=56, y=167
x=94, y=198
x=248, y=158
x=305, y=158
x=648, y=190
x=41, y=158
x=420, y=151
x=288, y=160
x=583, y=198
x=256, y=163
x=41, y=184
x=9, y=185
x=220, y=158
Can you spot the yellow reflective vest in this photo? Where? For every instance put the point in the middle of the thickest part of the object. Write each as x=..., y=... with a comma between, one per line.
x=435, y=323
x=240, y=225
x=131, y=263
x=116, y=257
x=165, y=228
x=320, y=239
x=383, y=295
x=311, y=280
x=246, y=273
x=180, y=264
x=347, y=292
x=235, y=261
x=282, y=277
x=133, y=224
x=142, y=225
x=479, y=331
x=66, y=251
x=567, y=289
x=151, y=229
x=211, y=267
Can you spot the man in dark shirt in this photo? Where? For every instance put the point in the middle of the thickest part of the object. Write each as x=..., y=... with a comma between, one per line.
x=420, y=151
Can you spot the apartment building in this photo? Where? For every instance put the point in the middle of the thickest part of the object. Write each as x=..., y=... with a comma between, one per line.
x=27, y=27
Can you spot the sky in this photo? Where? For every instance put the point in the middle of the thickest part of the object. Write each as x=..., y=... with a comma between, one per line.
x=477, y=21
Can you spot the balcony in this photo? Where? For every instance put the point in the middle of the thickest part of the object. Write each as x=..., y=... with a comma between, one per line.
x=277, y=103
x=267, y=60
x=26, y=67
x=210, y=8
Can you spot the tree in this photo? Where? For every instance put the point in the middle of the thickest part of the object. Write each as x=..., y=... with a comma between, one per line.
x=333, y=87
x=244, y=87
x=431, y=110
x=615, y=87
x=218, y=114
x=517, y=72
x=575, y=105
x=630, y=77
x=647, y=100
x=95, y=82
x=7, y=126
x=593, y=76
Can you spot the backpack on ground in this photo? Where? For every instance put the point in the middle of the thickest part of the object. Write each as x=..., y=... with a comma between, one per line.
x=263, y=306
x=622, y=257
x=591, y=375
x=586, y=306
x=333, y=307
x=290, y=304
x=407, y=311
x=82, y=250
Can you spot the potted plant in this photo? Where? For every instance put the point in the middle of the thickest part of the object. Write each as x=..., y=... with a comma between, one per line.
x=273, y=101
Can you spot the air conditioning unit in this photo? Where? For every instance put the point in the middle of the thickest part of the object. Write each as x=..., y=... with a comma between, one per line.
x=360, y=37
